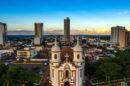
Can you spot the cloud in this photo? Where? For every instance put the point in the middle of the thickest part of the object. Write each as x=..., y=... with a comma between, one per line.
x=123, y=12
x=61, y=32
x=18, y=29
x=16, y=32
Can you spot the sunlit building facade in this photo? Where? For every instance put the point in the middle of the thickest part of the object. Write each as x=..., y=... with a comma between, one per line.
x=120, y=36
x=115, y=34
x=123, y=38
x=67, y=66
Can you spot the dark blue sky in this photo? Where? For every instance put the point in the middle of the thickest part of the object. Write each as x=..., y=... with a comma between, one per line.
x=44, y=6
x=90, y=14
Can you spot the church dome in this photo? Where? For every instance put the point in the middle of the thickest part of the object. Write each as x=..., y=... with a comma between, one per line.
x=67, y=53
x=55, y=47
x=78, y=47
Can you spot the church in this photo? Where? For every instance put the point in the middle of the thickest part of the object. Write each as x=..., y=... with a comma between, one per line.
x=66, y=66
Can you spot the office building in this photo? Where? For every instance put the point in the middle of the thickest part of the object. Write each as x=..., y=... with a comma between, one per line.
x=3, y=33
x=67, y=29
x=26, y=53
x=38, y=33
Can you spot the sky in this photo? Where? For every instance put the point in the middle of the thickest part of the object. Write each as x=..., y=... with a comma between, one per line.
x=87, y=16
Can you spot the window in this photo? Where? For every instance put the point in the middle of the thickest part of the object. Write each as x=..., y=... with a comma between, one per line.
x=55, y=56
x=78, y=56
x=67, y=73
x=23, y=53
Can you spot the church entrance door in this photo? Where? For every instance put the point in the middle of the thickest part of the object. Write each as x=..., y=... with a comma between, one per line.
x=67, y=84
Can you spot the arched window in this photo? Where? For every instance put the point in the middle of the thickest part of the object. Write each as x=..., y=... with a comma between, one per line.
x=78, y=56
x=67, y=73
x=55, y=56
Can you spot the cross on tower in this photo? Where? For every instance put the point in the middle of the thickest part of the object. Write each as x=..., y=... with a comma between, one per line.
x=66, y=56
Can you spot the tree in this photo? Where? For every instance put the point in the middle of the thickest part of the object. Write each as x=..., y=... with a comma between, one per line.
x=108, y=60
x=127, y=70
x=22, y=77
x=3, y=68
x=108, y=70
x=13, y=71
x=6, y=80
x=124, y=58
x=91, y=67
x=12, y=75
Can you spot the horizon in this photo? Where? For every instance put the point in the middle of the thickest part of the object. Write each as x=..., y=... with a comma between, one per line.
x=87, y=16
x=31, y=33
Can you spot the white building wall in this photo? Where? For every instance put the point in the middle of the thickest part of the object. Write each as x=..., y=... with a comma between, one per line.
x=57, y=79
x=53, y=76
x=80, y=56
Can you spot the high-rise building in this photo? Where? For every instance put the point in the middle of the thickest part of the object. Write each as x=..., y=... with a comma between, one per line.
x=38, y=29
x=3, y=33
x=115, y=34
x=67, y=29
x=123, y=38
x=38, y=33
x=120, y=36
x=128, y=38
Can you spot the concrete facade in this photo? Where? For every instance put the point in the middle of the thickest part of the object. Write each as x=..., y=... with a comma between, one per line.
x=38, y=33
x=120, y=36
x=67, y=29
x=3, y=33
x=26, y=53
x=115, y=34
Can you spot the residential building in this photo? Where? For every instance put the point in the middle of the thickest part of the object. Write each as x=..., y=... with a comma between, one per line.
x=115, y=34
x=120, y=36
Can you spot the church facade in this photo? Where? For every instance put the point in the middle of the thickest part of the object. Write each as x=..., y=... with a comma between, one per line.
x=66, y=66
